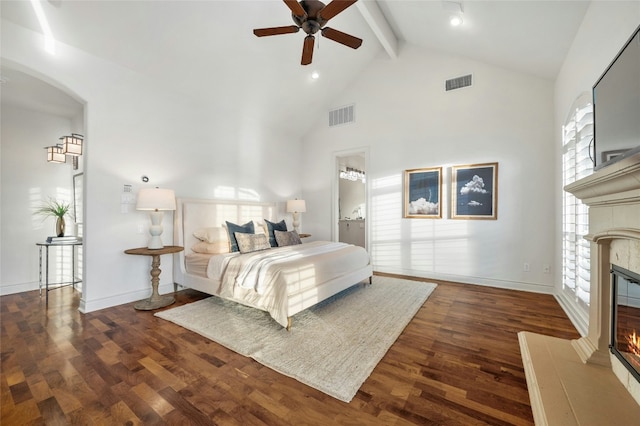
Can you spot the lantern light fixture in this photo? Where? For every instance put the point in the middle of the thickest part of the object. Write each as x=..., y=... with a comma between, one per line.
x=72, y=145
x=55, y=154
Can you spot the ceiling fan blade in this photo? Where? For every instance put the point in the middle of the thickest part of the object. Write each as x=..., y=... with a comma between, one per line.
x=307, y=50
x=335, y=7
x=296, y=8
x=261, y=32
x=342, y=38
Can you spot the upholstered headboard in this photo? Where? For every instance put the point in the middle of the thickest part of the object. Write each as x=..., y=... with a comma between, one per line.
x=194, y=214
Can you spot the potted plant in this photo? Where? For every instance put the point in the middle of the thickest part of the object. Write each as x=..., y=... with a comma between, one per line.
x=58, y=210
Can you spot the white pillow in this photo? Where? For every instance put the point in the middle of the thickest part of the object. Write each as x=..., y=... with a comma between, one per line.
x=211, y=248
x=259, y=227
x=211, y=235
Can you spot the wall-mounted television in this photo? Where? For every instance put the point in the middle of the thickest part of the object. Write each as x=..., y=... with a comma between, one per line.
x=616, y=106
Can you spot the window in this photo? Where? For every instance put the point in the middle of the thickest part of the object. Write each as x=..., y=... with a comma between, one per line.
x=577, y=135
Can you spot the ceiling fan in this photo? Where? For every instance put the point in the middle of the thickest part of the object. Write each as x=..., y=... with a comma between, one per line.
x=312, y=16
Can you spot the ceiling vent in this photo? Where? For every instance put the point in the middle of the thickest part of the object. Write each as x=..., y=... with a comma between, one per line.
x=457, y=83
x=342, y=115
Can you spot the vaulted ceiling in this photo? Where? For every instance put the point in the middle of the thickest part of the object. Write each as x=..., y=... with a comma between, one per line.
x=206, y=49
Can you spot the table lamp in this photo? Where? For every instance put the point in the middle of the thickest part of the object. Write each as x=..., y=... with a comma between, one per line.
x=295, y=207
x=156, y=200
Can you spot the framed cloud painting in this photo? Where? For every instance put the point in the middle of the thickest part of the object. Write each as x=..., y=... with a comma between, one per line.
x=474, y=191
x=422, y=193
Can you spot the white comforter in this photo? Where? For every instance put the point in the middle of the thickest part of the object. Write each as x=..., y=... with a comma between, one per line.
x=267, y=279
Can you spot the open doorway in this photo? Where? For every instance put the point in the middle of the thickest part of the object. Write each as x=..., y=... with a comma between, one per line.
x=350, y=197
x=36, y=113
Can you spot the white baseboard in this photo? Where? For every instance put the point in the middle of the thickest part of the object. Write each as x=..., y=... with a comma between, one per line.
x=578, y=318
x=488, y=282
x=121, y=299
x=18, y=288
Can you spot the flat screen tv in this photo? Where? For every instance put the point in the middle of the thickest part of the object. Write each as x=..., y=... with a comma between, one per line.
x=616, y=106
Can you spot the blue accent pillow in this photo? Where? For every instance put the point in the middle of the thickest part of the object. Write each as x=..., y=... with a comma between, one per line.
x=271, y=226
x=232, y=228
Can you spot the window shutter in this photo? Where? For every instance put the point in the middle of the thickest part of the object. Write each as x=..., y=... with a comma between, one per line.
x=577, y=134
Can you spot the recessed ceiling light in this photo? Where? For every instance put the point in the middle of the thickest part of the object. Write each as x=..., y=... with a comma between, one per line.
x=315, y=75
x=455, y=10
x=455, y=20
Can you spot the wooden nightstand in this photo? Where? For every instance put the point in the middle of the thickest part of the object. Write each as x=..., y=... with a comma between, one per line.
x=304, y=235
x=156, y=301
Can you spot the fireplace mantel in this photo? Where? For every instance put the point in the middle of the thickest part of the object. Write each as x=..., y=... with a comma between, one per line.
x=579, y=382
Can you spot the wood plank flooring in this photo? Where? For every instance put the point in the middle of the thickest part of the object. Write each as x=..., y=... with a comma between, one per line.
x=457, y=363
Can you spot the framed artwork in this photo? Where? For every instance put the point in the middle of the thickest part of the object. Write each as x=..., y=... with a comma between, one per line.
x=422, y=193
x=474, y=191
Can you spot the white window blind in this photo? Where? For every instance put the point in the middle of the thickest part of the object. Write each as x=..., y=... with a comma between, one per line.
x=577, y=134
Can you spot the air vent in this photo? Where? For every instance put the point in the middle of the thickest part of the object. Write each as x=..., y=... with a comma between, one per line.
x=342, y=115
x=457, y=83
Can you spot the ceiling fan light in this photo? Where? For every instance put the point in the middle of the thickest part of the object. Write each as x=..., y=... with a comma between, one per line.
x=315, y=75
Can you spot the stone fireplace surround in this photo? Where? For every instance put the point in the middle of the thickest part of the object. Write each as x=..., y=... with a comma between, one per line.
x=579, y=382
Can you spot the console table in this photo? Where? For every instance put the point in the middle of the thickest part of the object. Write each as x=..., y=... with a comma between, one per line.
x=73, y=282
x=156, y=301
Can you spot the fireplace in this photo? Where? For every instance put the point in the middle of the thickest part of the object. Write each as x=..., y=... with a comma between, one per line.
x=625, y=319
x=583, y=381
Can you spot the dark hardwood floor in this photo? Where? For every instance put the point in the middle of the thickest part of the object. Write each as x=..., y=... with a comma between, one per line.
x=457, y=363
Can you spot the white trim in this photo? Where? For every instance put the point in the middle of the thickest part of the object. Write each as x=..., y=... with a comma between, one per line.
x=335, y=193
x=121, y=299
x=6, y=289
x=482, y=281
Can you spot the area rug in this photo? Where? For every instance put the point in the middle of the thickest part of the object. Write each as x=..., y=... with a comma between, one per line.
x=333, y=346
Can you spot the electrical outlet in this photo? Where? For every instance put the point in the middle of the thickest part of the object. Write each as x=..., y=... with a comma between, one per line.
x=546, y=269
x=526, y=267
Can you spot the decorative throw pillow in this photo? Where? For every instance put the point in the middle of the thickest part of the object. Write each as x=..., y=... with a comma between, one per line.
x=248, y=243
x=232, y=228
x=290, y=238
x=271, y=227
x=211, y=248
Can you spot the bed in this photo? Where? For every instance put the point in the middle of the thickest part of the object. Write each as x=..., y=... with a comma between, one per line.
x=280, y=280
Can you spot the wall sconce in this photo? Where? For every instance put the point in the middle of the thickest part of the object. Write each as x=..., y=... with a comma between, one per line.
x=72, y=145
x=55, y=154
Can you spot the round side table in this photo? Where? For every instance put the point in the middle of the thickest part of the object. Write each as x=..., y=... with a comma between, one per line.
x=156, y=301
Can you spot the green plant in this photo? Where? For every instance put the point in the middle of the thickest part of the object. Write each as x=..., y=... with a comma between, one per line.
x=53, y=208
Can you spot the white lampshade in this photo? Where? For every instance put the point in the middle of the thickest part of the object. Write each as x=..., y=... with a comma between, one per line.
x=296, y=205
x=156, y=199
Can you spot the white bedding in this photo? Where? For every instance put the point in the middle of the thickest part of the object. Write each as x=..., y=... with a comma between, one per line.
x=281, y=280
x=267, y=279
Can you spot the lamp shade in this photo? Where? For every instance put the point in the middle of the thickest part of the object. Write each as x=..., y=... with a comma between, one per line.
x=296, y=205
x=156, y=199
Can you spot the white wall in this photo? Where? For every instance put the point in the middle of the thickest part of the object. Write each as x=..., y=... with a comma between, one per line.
x=408, y=121
x=28, y=180
x=603, y=32
x=132, y=129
